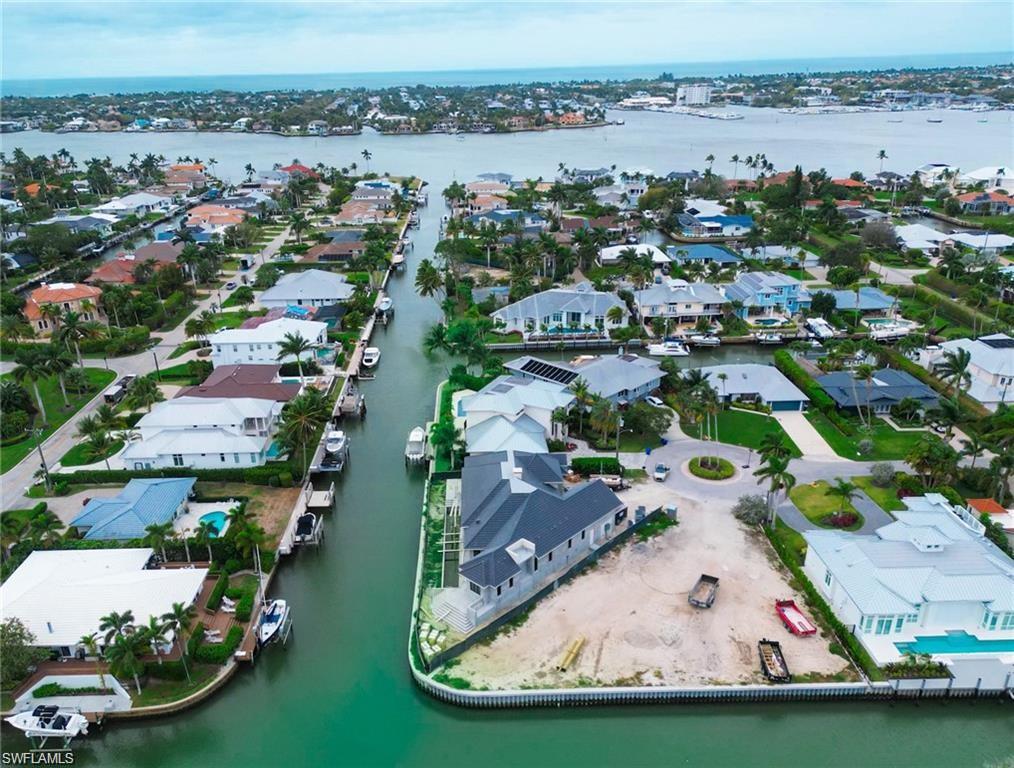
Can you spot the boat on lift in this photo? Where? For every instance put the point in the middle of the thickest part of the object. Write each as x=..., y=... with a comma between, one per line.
x=48, y=721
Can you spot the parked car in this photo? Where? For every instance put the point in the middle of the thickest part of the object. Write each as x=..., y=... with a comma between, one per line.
x=655, y=402
x=661, y=473
x=230, y=285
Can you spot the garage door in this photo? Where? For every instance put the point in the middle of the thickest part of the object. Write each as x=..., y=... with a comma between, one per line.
x=786, y=405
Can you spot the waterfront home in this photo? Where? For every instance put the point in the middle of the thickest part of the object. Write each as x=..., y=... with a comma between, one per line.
x=870, y=301
x=205, y=433
x=261, y=382
x=929, y=582
x=521, y=530
x=297, y=170
x=162, y=252
x=765, y=293
x=887, y=388
x=252, y=201
x=61, y=595
x=512, y=397
x=702, y=254
x=484, y=203
x=232, y=346
x=793, y=255
x=120, y=271
x=184, y=181
x=63, y=297
x=142, y=502
x=990, y=244
x=919, y=237
x=931, y=174
x=214, y=218
x=714, y=226
x=584, y=175
x=99, y=223
x=527, y=220
x=488, y=187
x=992, y=177
x=621, y=378
x=501, y=433
x=679, y=302
x=379, y=194
x=613, y=254
x=560, y=310
x=991, y=366
x=699, y=206
x=360, y=213
x=755, y=383
x=307, y=288
x=136, y=204
x=986, y=203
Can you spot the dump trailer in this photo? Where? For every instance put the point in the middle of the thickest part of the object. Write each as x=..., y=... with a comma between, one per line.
x=773, y=661
x=704, y=592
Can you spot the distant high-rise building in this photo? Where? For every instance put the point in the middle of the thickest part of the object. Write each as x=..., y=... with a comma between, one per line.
x=693, y=95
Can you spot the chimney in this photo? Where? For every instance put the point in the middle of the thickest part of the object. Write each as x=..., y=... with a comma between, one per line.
x=516, y=471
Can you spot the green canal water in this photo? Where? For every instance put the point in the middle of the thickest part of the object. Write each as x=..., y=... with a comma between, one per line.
x=340, y=693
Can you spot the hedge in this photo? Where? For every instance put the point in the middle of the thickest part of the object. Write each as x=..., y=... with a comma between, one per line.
x=266, y=475
x=55, y=689
x=934, y=279
x=215, y=598
x=219, y=653
x=946, y=306
x=817, y=602
x=196, y=638
x=818, y=397
x=593, y=465
x=244, y=607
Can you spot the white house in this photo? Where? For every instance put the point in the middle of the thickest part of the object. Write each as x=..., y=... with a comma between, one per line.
x=307, y=288
x=679, y=301
x=992, y=176
x=137, y=204
x=235, y=346
x=930, y=582
x=512, y=397
x=560, y=309
x=61, y=595
x=991, y=366
x=205, y=433
x=611, y=254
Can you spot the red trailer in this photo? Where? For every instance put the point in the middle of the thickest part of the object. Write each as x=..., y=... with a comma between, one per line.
x=793, y=618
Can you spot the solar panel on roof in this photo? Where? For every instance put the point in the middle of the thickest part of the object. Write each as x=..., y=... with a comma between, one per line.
x=999, y=343
x=550, y=372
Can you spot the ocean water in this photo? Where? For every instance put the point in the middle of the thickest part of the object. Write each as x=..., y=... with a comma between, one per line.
x=326, y=81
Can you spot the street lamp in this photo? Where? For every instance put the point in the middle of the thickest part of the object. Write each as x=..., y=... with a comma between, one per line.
x=42, y=458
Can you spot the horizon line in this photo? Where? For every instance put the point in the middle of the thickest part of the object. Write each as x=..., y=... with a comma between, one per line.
x=1008, y=54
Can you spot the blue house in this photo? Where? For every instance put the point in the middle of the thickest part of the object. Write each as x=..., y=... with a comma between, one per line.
x=140, y=504
x=714, y=226
x=870, y=300
x=764, y=293
x=702, y=254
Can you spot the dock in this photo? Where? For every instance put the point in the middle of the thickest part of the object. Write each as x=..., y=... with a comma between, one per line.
x=309, y=499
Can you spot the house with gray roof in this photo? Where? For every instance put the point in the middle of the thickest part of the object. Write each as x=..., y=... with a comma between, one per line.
x=929, y=582
x=794, y=255
x=141, y=503
x=512, y=397
x=307, y=288
x=621, y=378
x=870, y=301
x=703, y=253
x=755, y=383
x=679, y=302
x=521, y=528
x=887, y=388
x=560, y=310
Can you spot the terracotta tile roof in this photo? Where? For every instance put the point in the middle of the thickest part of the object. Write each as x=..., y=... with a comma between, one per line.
x=989, y=506
x=853, y=183
x=301, y=169
x=981, y=197
x=57, y=293
x=33, y=188
x=217, y=215
x=120, y=271
x=187, y=167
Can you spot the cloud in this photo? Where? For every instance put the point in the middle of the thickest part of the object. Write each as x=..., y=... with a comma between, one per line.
x=105, y=39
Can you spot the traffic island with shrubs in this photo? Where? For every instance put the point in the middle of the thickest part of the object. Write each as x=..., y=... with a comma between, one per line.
x=711, y=468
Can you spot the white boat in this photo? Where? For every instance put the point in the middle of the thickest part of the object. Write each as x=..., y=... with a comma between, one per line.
x=371, y=356
x=48, y=721
x=886, y=332
x=669, y=349
x=273, y=618
x=705, y=340
x=336, y=442
x=415, y=447
x=770, y=338
x=385, y=306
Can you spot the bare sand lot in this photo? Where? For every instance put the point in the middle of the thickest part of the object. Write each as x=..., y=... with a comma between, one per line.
x=632, y=610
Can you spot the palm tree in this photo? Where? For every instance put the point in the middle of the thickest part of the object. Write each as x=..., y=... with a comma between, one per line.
x=156, y=535
x=124, y=659
x=710, y=160
x=446, y=437
x=144, y=393
x=298, y=223
x=775, y=471
x=91, y=646
x=176, y=621
x=100, y=445
x=154, y=634
x=954, y=368
x=428, y=281
x=865, y=373
x=301, y=419
x=204, y=534
x=583, y=398
x=293, y=344
x=59, y=363
x=948, y=413
x=603, y=418
x=844, y=490
x=117, y=624
x=774, y=445
x=367, y=156
x=973, y=447
x=735, y=166
x=249, y=539
x=615, y=314
x=882, y=156
x=32, y=365
x=73, y=330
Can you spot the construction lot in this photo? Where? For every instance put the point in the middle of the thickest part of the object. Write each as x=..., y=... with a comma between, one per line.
x=632, y=610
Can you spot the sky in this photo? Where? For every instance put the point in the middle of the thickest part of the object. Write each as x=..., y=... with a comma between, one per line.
x=88, y=38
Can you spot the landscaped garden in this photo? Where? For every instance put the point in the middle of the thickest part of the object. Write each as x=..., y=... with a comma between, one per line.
x=828, y=506
x=711, y=468
x=744, y=428
x=886, y=443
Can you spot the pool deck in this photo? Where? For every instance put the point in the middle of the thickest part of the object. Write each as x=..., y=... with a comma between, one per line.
x=190, y=521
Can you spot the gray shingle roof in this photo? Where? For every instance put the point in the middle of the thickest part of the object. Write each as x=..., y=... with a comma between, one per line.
x=888, y=386
x=581, y=298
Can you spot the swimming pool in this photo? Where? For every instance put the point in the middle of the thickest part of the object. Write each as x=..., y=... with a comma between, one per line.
x=767, y=321
x=955, y=642
x=218, y=520
x=274, y=450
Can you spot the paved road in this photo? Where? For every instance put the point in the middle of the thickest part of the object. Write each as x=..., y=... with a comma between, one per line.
x=18, y=479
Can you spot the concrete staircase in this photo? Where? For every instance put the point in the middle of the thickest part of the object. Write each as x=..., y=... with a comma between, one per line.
x=449, y=607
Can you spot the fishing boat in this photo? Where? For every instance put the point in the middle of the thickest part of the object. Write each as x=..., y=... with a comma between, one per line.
x=669, y=349
x=371, y=356
x=770, y=338
x=274, y=616
x=705, y=340
x=47, y=721
x=415, y=446
x=336, y=442
x=306, y=528
x=385, y=307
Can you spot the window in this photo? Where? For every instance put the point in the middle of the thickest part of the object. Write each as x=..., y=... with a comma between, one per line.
x=235, y=458
x=884, y=625
x=867, y=623
x=498, y=590
x=177, y=460
x=221, y=457
x=1008, y=620
x=583, y=533
x=898, y=624
x=827, y=577
x=570, y=543
x=475, y=588
x=550, y=557
x=536, y=563
x=510, y=582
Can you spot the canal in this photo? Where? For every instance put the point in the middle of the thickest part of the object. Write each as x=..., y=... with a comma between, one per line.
x=340, y=693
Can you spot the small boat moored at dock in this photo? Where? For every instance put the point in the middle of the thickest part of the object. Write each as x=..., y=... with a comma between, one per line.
x=705, y=340
x=385, y=309
x=668, y=349
x=415, y=447
x=273, y=624
x=371, y=356
x=770, y=338
x=336, y=451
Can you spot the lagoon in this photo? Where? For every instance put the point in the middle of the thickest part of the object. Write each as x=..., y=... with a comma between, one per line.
x=340, y=693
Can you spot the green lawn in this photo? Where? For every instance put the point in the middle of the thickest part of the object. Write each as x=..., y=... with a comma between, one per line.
x=798, y=273
x=816, y=503
x=506, y=338
x=183, y=348
x=790, y=538
x=79, y=455
x=53, y=401
x=743, y=428
x=231, y=319
x=164, y=691
x=885, y=498
x=888, y=443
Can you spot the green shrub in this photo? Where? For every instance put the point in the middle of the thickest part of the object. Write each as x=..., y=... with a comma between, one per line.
x=232, y=565
x=219, y=653
x=215, y=598
x=13, y=425
x=723, y=471
x=55, y=689
x=594, y=465
x=244, y=607
x=818, y=397
x=285, y=479
x=167, y=670
x=251, y=475
x=196, y=638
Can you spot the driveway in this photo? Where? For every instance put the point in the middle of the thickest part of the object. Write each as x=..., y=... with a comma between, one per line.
x=806, y=438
